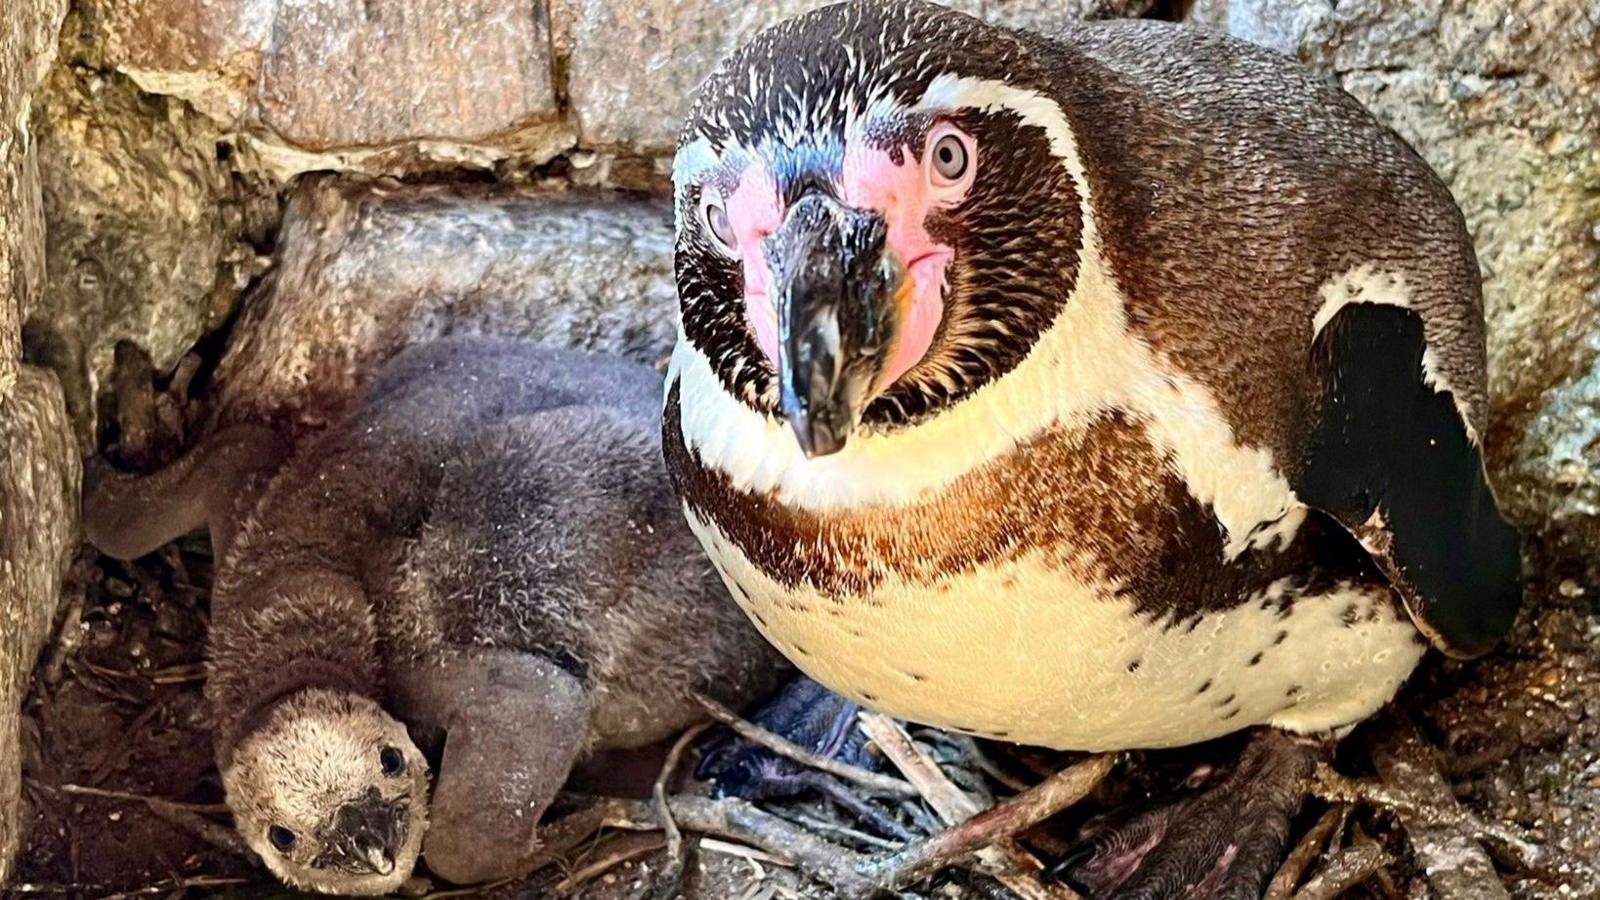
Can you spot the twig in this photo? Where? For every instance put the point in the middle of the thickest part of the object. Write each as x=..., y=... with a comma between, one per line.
x=749, y=854
x=731, y=819
x=977, y=832
x=872, y=781
x=947, y=800
x=1294, y=867
x=670, y=883
x=69, y=636
x=212, y=809
x=188, y=816
x=837, y=830
x=972, y=753
x=624, y=849
x=1449, y=856
x=1515, y=847
x=1011, y=816
x=1344, y=871
x=178, y=884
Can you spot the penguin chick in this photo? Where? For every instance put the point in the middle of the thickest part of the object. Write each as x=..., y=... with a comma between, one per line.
x=319, y=744
x=487, y=550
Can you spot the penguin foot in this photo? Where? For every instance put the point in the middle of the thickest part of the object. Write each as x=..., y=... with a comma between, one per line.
x=806, y=714
x=1221, y=843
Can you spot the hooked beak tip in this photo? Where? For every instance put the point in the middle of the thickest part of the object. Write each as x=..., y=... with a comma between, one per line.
x=379, y=861
x=817, y=440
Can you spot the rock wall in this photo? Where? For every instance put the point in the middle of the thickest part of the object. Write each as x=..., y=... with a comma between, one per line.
x=39, y=485
x=321, y=181
x=37, y=463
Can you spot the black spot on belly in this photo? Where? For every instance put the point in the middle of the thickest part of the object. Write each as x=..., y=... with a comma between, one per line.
x=1282, y=636
x=1227, y=700
x=1351, y=615
x=1134, y=666
x=870, y=698
x=760, y=619
x=1204, y=686
x=1230, y=714
x=1293, y=691
x=801, y=650
x=1256, y=660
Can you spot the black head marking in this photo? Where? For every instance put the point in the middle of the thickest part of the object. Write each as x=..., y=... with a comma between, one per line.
x=786, y=102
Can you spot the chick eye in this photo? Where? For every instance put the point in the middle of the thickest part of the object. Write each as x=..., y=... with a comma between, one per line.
x=282, y=838
x=716, y=216
x=950, y=159
x=392, y=761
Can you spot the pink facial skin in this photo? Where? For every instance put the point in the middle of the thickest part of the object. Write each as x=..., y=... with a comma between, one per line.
x=905, y=194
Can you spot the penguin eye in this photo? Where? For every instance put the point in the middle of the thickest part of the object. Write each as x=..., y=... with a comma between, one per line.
x=951, y=161
x=715, y=215
x=282, y=838
x=392, y=761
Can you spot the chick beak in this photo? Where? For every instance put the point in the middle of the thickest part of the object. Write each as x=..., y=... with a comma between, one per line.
x=834, y=287
x=371, y=829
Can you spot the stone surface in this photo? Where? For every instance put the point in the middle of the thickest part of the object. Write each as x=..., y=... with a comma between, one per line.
x=396, y=85
x=1046, y=16
x=634, y=66
x=27, y=47
x=345, y=74
x=143, y=222
x=365, y=269
x=39, y=485
x=1503, y=99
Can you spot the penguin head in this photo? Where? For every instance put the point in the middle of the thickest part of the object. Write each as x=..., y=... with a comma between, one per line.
x=874, y=217
x=331, y=793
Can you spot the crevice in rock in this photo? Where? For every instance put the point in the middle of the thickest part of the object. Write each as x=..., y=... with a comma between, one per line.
x=1169, y=10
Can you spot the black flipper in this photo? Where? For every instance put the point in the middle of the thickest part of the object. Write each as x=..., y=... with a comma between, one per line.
x=1391, y=459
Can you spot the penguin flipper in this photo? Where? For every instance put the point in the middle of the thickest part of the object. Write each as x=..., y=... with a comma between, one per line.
x=127, y=515
x=1392, y=459
x=513, y=725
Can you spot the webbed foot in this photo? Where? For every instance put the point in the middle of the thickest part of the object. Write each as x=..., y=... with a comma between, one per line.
x=1221, y=843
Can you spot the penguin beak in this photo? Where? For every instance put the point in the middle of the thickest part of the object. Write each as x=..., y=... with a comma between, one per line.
x=834, y=286
x=368, y=831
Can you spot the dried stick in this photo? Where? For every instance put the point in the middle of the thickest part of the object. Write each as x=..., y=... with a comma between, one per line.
x=1289, y=874
x=214, y=809
x=625, y=849
x=670, y=883
x=994, y=825
x=731, y=819
x=1349, y=868
x=950, y=802
x=178, y=885
x=188, y=816
x=872, y=781
x=1450, y=856
x=1508, y=842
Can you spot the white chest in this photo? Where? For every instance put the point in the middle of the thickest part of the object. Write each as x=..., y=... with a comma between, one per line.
x=1026, y=652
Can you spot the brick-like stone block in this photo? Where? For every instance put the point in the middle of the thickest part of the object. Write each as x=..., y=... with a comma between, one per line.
x=635, y=66
x=363, y=271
